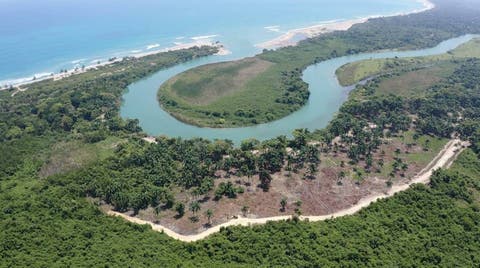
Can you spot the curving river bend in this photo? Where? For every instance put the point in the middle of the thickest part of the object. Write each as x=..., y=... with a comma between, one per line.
x=326, y=97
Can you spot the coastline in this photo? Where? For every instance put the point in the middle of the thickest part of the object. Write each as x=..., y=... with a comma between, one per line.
x=292, y=37
x=67, y=73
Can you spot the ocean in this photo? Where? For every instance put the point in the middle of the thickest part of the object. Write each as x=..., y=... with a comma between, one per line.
x=45, y=36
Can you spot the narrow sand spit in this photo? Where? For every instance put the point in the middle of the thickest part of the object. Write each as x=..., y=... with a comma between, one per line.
x=292, y=37
x=443, y=160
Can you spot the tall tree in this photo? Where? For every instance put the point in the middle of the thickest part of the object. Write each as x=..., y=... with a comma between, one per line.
x=265, y=180
x=283, y=204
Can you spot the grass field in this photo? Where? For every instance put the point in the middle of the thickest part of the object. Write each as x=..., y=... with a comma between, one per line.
x=352, y=73
x=71, y=155
x=208, y=83
x=416, y=82
x=432, y=146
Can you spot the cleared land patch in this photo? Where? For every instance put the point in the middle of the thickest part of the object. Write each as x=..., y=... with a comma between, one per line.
x=337, y=186
x=68, y=156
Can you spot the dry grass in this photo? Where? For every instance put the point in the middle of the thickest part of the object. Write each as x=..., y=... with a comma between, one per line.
x=414, y=82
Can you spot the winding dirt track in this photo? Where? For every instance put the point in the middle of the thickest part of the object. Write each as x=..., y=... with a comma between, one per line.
x=443, y=160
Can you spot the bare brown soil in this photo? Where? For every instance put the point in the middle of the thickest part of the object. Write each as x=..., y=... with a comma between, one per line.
x=326, y=194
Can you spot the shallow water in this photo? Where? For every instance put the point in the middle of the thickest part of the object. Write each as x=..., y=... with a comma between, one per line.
x=326, y=98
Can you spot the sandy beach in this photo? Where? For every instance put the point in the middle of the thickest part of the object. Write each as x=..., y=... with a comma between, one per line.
x=294, y=36
x=58, y=76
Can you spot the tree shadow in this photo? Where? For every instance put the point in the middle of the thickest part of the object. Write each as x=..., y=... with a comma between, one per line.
x=205, y=199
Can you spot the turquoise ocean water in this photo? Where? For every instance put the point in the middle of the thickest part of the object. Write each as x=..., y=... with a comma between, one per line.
x=43, y=36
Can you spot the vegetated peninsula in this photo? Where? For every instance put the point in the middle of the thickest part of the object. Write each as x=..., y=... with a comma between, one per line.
x=355, y=72
x=69, y=157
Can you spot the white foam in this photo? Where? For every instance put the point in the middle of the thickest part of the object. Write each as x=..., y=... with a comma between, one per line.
x=180, y=38
x=77, y=61
x=331, y=21
x=41, y=75
x=24, y=79
x=96, y=61
x=153, y=46
x=273, y=28
x=202, y=37
x=136, y=51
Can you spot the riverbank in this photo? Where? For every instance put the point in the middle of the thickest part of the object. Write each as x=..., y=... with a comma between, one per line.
x=292, y=37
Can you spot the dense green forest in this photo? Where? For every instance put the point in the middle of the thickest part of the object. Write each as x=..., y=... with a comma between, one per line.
x=47, y=223
x=85, y=105
x=48, y=218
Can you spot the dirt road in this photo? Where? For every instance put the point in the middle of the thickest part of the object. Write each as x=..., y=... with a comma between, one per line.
x=443, y=160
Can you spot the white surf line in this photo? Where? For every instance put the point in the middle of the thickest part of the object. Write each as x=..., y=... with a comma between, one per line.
x=443, y=160
x=76, y=71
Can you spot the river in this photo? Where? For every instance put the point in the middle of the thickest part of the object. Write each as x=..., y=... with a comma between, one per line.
x=327, y=95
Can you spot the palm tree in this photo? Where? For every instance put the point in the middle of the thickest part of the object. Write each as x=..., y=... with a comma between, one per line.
x=245, y=211
x=157, y=210
x=209, y=214
x=180, y=209
x=283, y=204
x=194, y=207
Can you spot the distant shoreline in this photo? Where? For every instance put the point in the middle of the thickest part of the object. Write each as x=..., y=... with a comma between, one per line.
x=199, y=42
x=292, y=37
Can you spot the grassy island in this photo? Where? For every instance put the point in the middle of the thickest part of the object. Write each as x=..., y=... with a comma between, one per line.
x=233, y=94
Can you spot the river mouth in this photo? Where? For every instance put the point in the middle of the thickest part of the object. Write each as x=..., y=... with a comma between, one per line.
x=326, y=97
